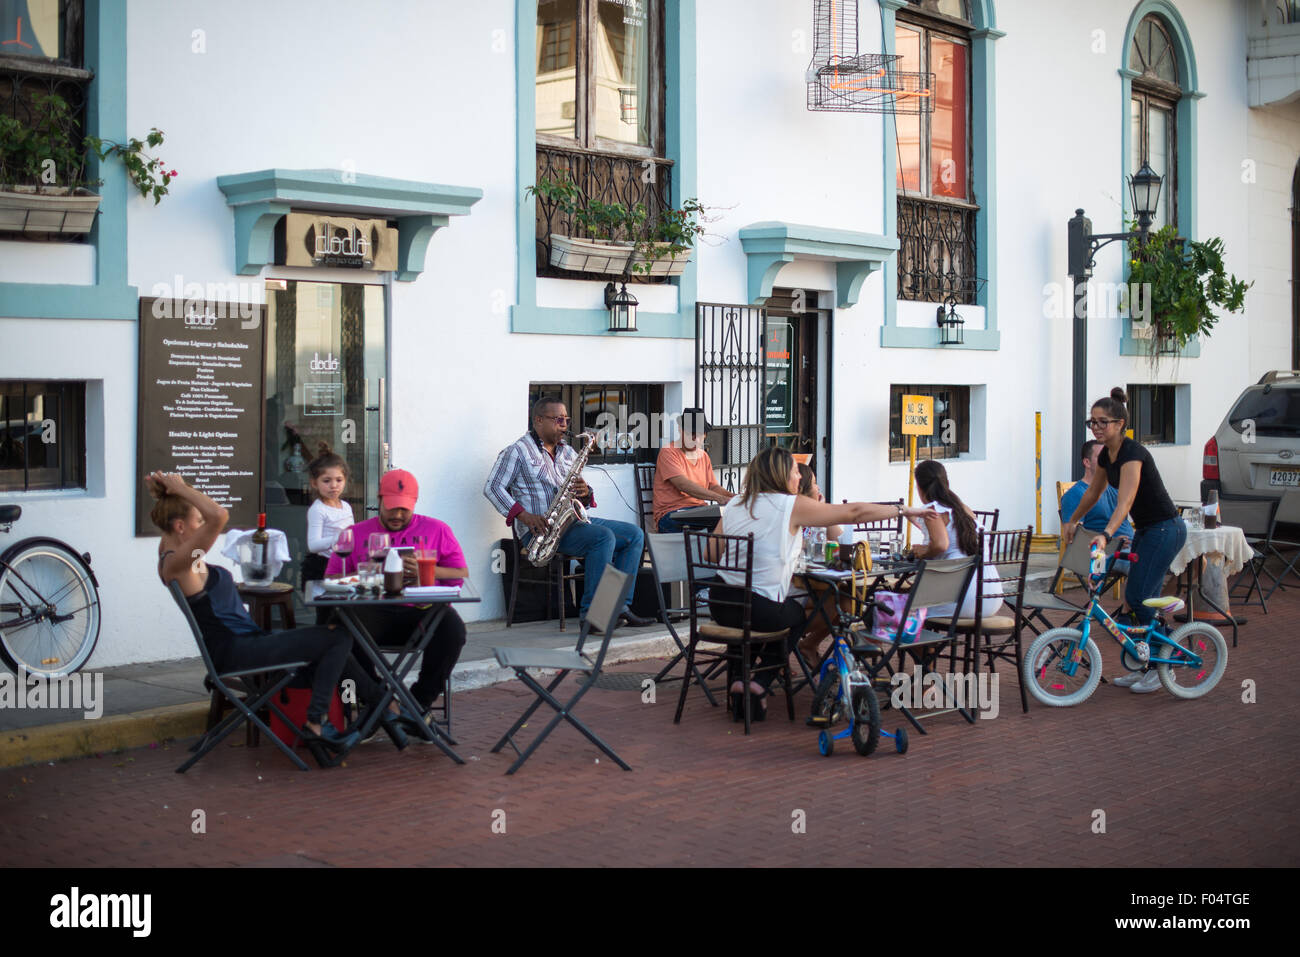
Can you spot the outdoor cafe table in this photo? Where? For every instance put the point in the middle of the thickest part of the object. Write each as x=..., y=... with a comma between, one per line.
x=1226, y=552
x=348, y=607
x=822, y=583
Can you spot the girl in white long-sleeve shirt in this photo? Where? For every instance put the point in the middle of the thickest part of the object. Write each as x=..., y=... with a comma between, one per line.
x=328, y=515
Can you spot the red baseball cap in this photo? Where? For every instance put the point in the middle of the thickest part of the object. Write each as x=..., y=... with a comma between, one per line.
x=398, y=489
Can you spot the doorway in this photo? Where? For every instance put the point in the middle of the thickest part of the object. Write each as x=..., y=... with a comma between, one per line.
x=326, y=362
x=792, y=390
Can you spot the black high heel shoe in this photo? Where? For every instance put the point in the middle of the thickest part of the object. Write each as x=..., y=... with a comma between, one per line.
x=329, y=747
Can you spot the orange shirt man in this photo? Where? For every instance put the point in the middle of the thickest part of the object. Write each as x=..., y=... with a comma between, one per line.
x=684, y=474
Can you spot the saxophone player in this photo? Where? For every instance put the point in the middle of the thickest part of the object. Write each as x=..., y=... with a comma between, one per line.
x=525, y=479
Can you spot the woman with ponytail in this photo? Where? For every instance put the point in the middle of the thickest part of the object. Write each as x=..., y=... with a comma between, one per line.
x=952, y=534
x=1160, y=534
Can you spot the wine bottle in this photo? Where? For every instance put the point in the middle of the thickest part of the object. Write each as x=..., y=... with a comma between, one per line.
x=260, y=545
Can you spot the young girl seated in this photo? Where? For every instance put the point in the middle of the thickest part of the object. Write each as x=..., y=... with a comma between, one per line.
x=950, y=526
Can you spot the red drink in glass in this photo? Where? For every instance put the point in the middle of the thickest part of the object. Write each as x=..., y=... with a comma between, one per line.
x=427, y=561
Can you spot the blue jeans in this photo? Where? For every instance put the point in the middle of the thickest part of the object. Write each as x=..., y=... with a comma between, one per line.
x=1156, y=545
x=668, y=525
x=599, y=544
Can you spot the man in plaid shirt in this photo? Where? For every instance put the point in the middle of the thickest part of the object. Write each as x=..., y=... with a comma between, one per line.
x=525, y=478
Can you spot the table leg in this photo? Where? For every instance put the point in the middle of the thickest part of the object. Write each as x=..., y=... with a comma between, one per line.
x=395, y=685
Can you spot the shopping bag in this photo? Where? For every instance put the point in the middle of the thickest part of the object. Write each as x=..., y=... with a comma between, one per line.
x=889, y=614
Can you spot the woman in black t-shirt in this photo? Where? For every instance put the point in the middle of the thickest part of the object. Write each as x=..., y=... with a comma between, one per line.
x=1160, y=534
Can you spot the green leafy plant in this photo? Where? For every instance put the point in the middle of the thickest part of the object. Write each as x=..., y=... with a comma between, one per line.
x=148, y=174
x=670, y=234
x=1183, y=280
x=43, y=154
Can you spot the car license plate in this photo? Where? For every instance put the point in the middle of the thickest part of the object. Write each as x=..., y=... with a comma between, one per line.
x=1285, y=477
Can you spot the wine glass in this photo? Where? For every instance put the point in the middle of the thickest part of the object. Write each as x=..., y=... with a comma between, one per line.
x=378, y=546
x=344, y=544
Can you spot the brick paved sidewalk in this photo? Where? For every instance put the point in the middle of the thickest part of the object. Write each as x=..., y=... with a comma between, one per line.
x=1182, y=783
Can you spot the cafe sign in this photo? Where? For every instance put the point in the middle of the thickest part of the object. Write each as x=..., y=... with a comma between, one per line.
x=317, y=239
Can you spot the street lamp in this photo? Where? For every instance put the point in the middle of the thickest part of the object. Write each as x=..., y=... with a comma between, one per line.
x=1082, y=246
x=622, y=309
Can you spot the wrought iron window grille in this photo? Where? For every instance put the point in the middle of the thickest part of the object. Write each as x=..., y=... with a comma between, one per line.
x=936, y=252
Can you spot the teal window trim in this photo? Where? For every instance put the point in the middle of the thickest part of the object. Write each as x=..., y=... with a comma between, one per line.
x=770, y=245
x=260, y=199
x=111, y=296
x=680, y=144
x=984, y=162
x=1186, y=137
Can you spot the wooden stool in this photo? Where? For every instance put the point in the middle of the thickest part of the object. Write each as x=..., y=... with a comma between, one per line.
x=262, y=598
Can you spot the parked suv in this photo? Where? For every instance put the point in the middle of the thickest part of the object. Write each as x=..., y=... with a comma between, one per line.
x=1256, y=451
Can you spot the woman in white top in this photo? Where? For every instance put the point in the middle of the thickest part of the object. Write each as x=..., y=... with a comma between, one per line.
x=950, y=526
x=771, y=508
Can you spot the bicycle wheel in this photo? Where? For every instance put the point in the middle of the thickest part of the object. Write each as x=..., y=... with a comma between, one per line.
x=1185, y=681
x=49, y=610
x=1042, y=672
x=866, y=720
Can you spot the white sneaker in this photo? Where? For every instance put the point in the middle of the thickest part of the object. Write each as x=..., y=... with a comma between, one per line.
x=1148, y=683
x=1128, y=680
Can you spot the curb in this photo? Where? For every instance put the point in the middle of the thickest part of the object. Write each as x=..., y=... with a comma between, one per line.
x=79, y=739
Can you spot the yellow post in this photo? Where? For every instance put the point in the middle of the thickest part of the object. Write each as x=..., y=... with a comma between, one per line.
x=911, y=483
x=1040, y=542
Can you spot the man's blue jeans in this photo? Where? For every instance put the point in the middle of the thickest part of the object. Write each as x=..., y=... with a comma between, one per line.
x=599, y=544
x=1156, y=545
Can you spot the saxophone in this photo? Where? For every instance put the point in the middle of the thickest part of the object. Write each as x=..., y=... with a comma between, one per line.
x=561, y=513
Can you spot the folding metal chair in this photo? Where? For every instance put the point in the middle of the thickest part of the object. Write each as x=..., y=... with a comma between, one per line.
x=1075, y=560
x=1007, y=555
x=936, y=583
x=608, y=601
x=1256, y=516
x=707, y=556
x=668, y=562
x=243, y=709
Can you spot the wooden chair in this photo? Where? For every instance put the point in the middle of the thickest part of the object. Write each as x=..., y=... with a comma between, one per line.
x=987, y=520
x=999, y=573
x=645, y=493
x=707, y=556
x=894, y=524
x=557, y=573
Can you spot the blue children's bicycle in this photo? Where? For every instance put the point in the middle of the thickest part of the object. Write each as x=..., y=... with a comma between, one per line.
x=1063, y=666
x=845, y=693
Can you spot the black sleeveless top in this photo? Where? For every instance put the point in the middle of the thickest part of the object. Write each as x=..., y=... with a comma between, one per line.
x=218, y=608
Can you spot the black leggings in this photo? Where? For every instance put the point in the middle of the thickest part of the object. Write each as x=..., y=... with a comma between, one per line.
x=764, y=615
x=327, y=652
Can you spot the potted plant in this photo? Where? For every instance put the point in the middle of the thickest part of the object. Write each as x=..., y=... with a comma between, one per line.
x=666, y=250
x=1182, y=280
x=623, y=238
x=43, y=188
x=601, y=253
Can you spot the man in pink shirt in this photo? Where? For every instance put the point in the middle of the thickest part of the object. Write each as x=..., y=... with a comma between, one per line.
x=391, y=627
x=684, y=474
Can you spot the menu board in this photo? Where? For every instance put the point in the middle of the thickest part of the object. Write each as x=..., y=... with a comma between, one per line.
x=200, y=404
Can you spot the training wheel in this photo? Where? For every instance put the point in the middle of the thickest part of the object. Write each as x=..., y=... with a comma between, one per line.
x=825, y=744
x=900, y=741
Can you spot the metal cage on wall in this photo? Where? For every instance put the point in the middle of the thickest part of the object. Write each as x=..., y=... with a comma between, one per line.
x=842, y=80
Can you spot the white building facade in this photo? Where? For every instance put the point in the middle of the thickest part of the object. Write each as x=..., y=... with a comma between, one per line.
x=427, y=121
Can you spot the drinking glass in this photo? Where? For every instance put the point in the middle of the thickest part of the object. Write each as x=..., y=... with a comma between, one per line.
x=873, y=542
x=378, y=546
x=426, y=560
x=344, y=544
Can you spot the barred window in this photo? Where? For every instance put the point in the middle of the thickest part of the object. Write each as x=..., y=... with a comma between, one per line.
x=627, y=418
x=951, y=435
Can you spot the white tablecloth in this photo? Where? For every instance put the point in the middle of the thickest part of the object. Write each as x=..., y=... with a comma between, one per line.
x=1226, y=540
x=277, y=543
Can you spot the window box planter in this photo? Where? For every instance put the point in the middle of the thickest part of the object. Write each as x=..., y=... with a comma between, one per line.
x=57, y=210
x=661, y=262
x=589, y=255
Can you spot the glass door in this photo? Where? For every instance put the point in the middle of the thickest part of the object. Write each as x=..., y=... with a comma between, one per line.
x=325, y=368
